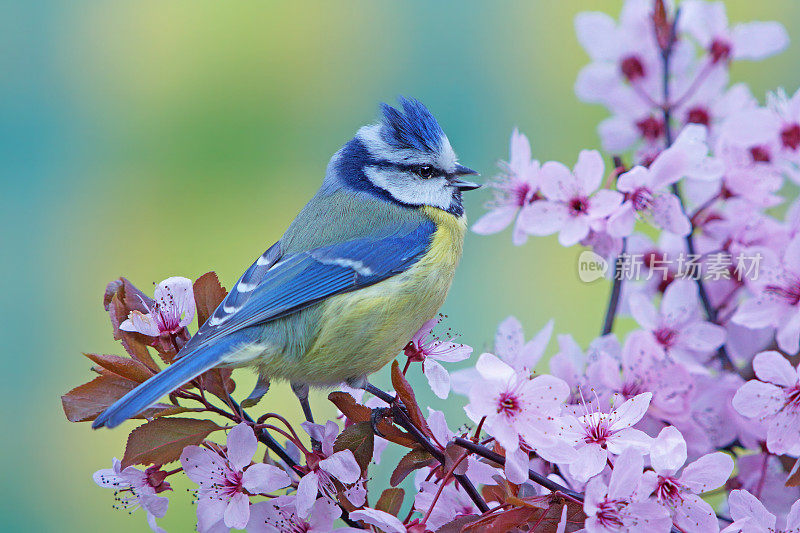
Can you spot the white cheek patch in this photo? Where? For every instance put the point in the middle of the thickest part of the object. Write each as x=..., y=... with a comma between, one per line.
x=410, y=189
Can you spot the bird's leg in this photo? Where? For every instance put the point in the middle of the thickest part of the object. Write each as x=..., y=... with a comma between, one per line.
x=301, y=391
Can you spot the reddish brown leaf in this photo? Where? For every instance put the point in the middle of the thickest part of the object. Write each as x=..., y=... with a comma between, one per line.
x=218, y=382
x=359, y=439
x=502, y=521
x=208, y=294
x=459, y=524
x=406, y=395
x=413, y=460
x=162, y=440
x=84, y=403
x=391, y=501
x=356, y=412
x=122, y=366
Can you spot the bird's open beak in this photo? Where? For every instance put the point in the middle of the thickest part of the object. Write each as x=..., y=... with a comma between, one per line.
x=462, y=184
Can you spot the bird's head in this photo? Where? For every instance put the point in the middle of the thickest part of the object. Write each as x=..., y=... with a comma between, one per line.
x=405, y=158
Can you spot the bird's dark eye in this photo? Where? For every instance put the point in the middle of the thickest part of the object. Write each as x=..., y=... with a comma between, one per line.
x=425, y=171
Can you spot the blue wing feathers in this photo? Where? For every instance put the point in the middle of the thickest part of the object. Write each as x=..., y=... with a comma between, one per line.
x=284, y=285
x=185, y=369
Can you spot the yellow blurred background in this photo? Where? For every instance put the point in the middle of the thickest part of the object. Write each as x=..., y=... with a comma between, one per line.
x=153, y=139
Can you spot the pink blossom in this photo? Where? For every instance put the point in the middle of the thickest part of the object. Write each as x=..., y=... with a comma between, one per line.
x=774, y=397
x=514, y=190
x=596, y=434
x=787, y=128
x=173, y=310
x=643, y=367
x=478, y=471
x=227, y=479
x=677, y=326
x=712, y=101
x=711, y=422
x=622, y=54
x=510, y=345
x=323, y=466
x=707, y=22
x=750, y=516
x=617, y=507
x=776, y=295
x=511, y=348
x=133, y=489
x=679, y=494
x=452, y=503
x=515, y=407
x=429, y=350
x=380, y=519
x=646, y=188
x=570, y=207
x=279, y=515
x=763, y=475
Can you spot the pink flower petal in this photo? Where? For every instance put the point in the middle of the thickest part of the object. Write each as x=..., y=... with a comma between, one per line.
x=629, y=438
x=744, y=505
x=242, y=445
x=617, y=133
x=495, y=220
x=631, y=411
x=517, y=465
x=438, y=378
x=491, y=367
x=543, y=217
x=262, y=478
x=140, y=323
x=532, y=352
x=633, y=179
x=237, y=513
x=603, y=203
x=210, y=511
x=773, y=367
x=596, y=32
x=382, y=520
x=783, y=433
x=590, y=461
x=306, y=493
x=589, y=170
x=626, y=474
x=707, y=473
x=756, y=399
x=757, y=40
x=668, y=452
x=668, y=214
x=788, y=336
x=343, y=466
x=558, y=183
x=702, y=336
x=202, y=465
x=695, y=514
x=573, y=231
x=509, y=339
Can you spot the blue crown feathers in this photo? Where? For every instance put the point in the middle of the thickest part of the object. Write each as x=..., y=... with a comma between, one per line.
x=414, y=128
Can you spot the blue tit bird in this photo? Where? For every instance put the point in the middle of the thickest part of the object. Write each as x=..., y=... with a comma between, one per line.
x=366, y=262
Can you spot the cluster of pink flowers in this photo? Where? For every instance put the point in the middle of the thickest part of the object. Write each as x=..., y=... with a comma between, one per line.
x=637, y=430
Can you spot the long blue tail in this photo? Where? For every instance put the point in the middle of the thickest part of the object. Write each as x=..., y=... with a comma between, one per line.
x=188, y=367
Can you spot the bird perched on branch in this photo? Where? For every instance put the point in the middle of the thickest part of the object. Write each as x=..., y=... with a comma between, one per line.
x=366, y=262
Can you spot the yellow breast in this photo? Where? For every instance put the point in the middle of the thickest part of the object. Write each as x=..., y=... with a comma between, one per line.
x=362, y=331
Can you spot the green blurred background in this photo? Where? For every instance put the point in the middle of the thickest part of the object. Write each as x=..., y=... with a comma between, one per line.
x=152, y=139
